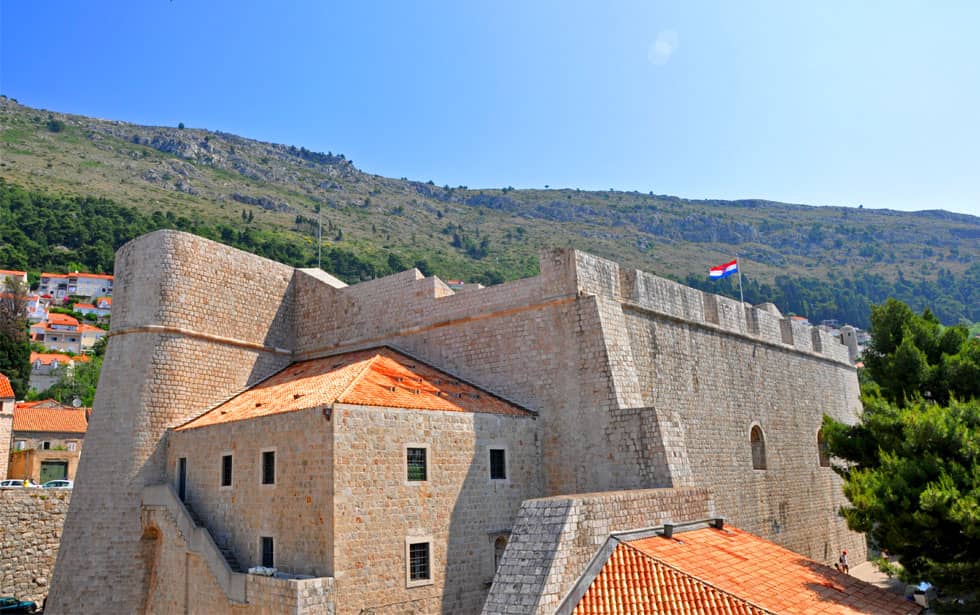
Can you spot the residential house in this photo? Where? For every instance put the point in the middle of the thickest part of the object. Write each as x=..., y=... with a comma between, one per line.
x=47, y=368
x=47, y=441
x=37, y=308
x=76, y=283
x=102, y=307
x=17, y=275
x=64, y=333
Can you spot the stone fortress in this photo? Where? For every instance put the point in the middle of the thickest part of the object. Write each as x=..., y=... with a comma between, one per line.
x=632, y=401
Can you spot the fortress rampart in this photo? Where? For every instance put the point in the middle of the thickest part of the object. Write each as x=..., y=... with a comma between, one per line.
x=638, y=382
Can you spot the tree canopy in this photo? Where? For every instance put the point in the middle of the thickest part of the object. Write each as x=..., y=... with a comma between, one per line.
x=15, y=352
x=911, y=464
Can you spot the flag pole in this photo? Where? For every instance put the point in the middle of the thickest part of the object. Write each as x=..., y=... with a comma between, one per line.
x=738, y=267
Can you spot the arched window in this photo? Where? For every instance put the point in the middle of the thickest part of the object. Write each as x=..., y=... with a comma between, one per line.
x=758, y=448
x=822, y=453
x=499, y=545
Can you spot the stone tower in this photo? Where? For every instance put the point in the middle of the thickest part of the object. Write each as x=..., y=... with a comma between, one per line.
x=194, y=322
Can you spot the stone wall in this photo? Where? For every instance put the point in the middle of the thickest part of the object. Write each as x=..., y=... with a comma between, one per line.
x=554, y=539
x=31, y=521
x=6, y=426
x=297, y=511
x=458, y=507
x=193, y=322
x=179, y=581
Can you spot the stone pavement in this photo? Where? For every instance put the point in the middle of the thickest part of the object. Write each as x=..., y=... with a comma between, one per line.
x=868, y=572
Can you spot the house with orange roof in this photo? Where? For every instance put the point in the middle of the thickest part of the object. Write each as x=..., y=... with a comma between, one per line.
x=64, y=333
x=17, y=275
x=47, y=441
x=102, y=307
x=299, y=471
x=712, y=568
x=47, y=368
x=7, y=402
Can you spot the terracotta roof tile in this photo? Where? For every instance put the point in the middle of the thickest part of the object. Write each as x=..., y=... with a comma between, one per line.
x=375, y=377
x=739, y=568
x=55, y=318
x=6, y=391
x=63, y=420
x=47, y=357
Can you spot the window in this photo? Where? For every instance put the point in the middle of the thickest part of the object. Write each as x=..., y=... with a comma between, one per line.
x=419, y=563
x=416, y=464
x=758, y=442
x=46, y=446
x=498, y=464
x=226, y=471
x=72, y=446
x=268, y=467
x=267, y=550
x=823, y=455
x=20, y=445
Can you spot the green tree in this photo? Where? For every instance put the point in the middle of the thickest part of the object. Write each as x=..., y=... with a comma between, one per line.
x=911, y=464
x=77, y=383
x=15, y=351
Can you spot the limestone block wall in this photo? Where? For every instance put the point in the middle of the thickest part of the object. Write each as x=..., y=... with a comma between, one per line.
x=31, y=521
x=6, y=426
x=193, y=322
x=712, y=389
x=458, y=507
x=297, y=512
x=179, y=581
x=554, y=539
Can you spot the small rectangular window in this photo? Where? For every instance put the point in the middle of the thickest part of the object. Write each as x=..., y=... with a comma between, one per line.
x=226, y=470
x=418, y=562
x=269, y=467
x=268, y=552
x=498, y=464
x=20, y=445
x=46, y=446
x=72, y=446
x=416, y=460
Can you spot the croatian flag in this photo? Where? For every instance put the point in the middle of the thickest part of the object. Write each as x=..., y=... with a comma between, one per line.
x=723, y=271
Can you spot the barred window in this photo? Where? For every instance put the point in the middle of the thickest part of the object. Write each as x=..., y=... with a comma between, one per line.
x=418, y=562
x=498, y=464
x=416, y=464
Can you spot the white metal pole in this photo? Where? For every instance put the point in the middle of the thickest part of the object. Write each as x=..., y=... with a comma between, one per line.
x=738, y=266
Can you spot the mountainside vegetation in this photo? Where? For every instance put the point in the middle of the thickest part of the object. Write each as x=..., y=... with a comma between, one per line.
x=76, y=188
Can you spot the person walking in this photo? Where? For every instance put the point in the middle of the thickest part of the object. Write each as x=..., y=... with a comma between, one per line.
x=842, y=562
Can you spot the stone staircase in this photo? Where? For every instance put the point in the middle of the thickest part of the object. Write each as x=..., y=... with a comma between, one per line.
x=226, y=551
x=222, y=562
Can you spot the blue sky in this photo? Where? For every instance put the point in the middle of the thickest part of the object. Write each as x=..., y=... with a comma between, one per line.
x=829, y=103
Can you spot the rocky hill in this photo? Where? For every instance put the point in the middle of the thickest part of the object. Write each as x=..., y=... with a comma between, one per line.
x=820, y=261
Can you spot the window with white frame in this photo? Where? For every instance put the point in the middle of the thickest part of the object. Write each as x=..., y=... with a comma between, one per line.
x=416, y=463
x=418, y=561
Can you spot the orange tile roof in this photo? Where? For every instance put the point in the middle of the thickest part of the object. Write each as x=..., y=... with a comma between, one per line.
x=91, y=328
x=6, y=391
x=55, y=318
x=54, y=275
x=11, y=272
x=711, y=570
x=62, y=420
x=98, y=276
x=375, y=377
x=633, y=583
x=84, y=306
x=42, y=403
x=47, y=357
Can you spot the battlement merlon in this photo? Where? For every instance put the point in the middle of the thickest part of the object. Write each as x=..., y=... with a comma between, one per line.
x=644, y=291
